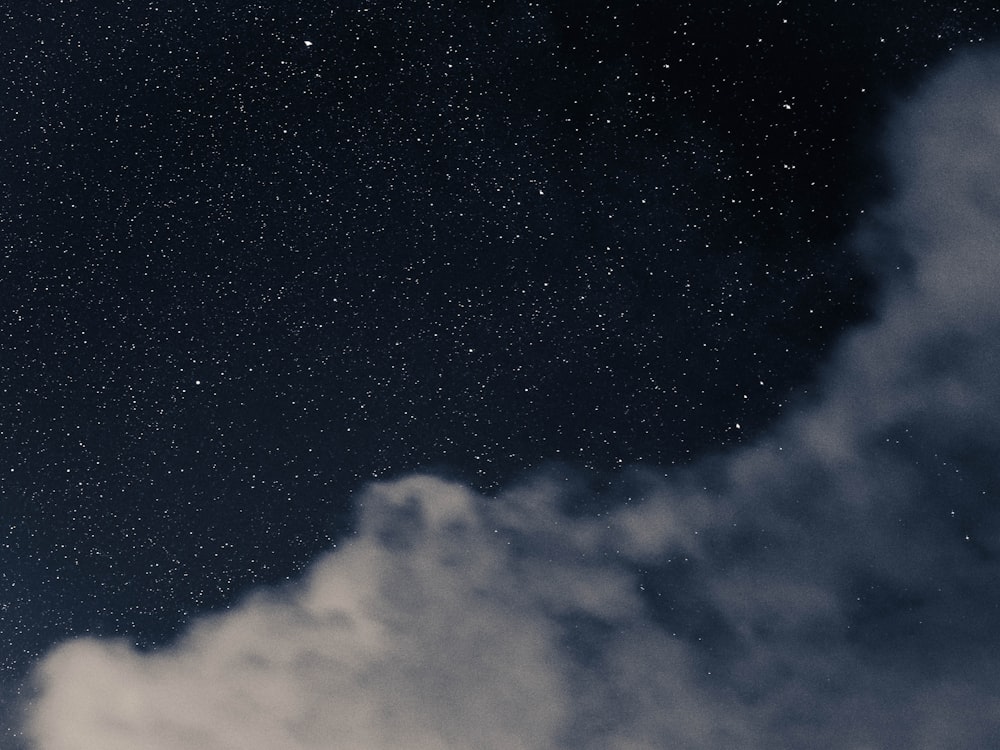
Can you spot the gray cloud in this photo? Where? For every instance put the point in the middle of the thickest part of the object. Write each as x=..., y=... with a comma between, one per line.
x=831, y=586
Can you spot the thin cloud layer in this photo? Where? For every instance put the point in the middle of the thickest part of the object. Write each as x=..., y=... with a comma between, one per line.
x=831, y=586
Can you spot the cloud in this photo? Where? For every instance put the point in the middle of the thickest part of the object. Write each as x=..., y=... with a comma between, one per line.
x=832, y=585
x=448, y=622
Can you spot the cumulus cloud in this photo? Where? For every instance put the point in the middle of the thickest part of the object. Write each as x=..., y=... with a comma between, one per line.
x=831, y=586
x=449, y=622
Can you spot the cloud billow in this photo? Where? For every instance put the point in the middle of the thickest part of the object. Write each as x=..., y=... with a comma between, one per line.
x=832, y=585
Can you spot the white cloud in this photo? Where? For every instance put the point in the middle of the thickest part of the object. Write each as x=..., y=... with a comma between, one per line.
x=831, y=586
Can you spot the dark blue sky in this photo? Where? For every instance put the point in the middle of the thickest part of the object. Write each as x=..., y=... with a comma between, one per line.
x=257, y=255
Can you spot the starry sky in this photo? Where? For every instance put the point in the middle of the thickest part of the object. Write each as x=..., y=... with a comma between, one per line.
x=641, y=356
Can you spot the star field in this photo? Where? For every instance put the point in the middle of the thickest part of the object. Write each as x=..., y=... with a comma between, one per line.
x=258, y=254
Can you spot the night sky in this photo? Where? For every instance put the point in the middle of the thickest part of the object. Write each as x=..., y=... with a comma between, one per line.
x=666, y=331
